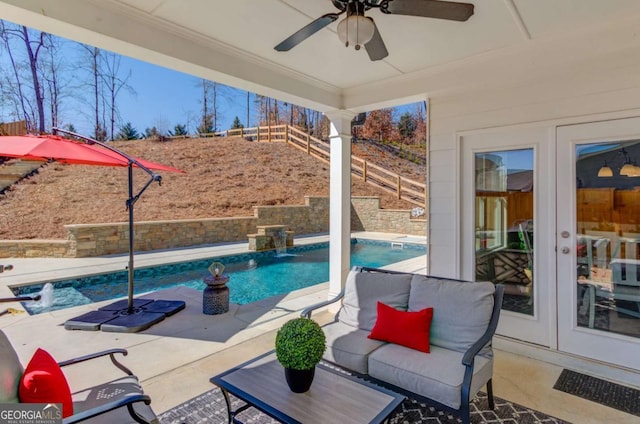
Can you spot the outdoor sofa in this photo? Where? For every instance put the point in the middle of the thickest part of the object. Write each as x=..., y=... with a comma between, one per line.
x=460, y=359
x=119, y=401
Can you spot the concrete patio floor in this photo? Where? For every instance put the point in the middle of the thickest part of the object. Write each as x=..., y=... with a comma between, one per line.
x=175, y=358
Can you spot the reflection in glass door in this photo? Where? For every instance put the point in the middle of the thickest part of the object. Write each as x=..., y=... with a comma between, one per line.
x=508, y=225
x=598, y=238
x=608, y=237
x=504, y=225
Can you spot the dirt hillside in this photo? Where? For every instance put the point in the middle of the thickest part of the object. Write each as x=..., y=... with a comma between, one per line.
x=224, y=177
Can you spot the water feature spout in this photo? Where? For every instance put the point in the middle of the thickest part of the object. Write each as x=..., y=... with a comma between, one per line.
x=280, y=242
x=46, y=297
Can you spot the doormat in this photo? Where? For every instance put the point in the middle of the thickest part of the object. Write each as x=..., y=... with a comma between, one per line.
x=601, y=391
x=210, y=408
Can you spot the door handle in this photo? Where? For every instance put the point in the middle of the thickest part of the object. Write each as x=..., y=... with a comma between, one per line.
x=565, y=250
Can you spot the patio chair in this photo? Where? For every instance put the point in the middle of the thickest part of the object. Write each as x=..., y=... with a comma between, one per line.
x=118, y=401
x=622, y=288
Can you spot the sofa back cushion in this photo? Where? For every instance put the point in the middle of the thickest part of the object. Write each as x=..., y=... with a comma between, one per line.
x=364, y=290
x=10, y=371
x=461, y=310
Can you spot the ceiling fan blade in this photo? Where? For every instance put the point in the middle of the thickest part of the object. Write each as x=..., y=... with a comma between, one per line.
x=375, y=47
x=306, y=32
x=450, y=10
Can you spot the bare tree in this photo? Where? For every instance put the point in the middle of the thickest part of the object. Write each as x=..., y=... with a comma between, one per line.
x=248, y=102
x=207, y=117
x=214, y=105
x=18, y=88
x=55, y=77
x=91, y=66
x=113, y=83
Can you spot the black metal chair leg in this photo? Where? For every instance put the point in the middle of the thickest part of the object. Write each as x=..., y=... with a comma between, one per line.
x=465, y=414
x=490, y=394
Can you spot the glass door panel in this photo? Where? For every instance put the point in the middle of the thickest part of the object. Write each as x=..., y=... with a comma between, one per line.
x=598, y=241
x=504, y=224
x=608, y=236
x=507, y=231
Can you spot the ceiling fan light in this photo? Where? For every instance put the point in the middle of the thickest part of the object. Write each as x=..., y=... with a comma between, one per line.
x=355, y=30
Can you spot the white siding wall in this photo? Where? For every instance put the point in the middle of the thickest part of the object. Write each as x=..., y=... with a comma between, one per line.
x=609, y=89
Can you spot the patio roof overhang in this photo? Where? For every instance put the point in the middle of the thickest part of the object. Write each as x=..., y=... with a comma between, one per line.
x=504, y=42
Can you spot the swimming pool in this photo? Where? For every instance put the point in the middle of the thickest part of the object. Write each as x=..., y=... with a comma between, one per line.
x=254, y=276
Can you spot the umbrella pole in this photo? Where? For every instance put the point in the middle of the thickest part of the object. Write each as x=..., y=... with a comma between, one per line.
x=130, y=203
x=153, y=177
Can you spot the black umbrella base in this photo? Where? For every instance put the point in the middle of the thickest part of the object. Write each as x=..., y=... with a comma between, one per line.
x=116, y=318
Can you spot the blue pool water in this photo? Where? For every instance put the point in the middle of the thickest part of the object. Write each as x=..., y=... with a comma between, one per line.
x=272, y=274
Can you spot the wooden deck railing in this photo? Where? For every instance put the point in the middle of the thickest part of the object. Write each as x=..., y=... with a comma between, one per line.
x=404, y=188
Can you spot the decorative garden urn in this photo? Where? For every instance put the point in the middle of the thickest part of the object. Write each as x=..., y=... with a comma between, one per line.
x=215, y=297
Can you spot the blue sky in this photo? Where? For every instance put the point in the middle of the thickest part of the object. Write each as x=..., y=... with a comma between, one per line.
x=175, y=97
x=163, y=97
x=164, y=94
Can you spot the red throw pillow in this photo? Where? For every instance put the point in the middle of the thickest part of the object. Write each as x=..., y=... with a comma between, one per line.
x=410, y=329
x=44, y=382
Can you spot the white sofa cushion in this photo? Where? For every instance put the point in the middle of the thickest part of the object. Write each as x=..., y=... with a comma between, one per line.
x=461, y=310
x=348, y=346
x=363, y=290
x=437, y=375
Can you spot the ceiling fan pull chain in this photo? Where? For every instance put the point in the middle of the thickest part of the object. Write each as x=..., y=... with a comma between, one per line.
x=346, y=43
x=357, y=47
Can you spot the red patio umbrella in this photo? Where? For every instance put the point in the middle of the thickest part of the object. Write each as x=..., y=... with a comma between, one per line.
x=59, y=149
x=91, y=152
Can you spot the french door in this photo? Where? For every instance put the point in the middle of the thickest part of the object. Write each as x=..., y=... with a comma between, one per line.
x=598, y=240
x=507, y=226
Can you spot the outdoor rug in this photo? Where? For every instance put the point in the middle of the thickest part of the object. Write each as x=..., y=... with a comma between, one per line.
x=210, y=408
x=610, y=394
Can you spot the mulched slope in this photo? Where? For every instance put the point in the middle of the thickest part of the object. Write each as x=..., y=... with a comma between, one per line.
x=224, y=177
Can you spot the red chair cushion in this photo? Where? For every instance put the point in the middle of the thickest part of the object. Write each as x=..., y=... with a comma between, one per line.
x=410, y=329
x=44, y=382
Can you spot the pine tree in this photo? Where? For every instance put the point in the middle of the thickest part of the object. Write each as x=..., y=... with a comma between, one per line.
x=407, y=126
x=127, y=132
x=179, y=130
x=236, y=123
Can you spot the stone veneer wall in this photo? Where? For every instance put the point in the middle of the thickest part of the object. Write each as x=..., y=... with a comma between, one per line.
x=87, y=240
x=36, y=249
x=366, y=215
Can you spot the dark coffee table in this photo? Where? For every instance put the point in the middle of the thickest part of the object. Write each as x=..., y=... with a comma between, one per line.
x=334, y=397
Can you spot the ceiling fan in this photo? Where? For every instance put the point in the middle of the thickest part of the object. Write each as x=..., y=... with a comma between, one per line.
x=358, y=30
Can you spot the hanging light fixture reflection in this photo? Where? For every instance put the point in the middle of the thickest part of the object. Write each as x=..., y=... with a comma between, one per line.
x=629, y=168
x=605, y=171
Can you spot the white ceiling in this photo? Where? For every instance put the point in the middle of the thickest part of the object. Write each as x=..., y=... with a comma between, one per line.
x=231, y=41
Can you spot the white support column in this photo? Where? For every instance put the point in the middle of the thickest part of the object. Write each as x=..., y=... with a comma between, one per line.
x=339, y=199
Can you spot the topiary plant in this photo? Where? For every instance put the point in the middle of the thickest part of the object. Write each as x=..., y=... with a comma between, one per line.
x=300, y=344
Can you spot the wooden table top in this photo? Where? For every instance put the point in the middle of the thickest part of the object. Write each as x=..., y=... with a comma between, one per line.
x=334, y=396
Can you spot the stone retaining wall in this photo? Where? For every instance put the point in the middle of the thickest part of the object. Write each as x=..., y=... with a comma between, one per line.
x=36, y=249
x=88, y=240
x=366, y=215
